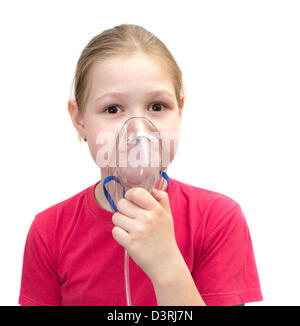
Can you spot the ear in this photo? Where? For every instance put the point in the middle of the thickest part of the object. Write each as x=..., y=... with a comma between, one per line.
x=182, y=101
x=77, y=117
x=182, y=105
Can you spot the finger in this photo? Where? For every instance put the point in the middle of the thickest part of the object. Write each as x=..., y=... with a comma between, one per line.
x=142, y=198
x=122, y=221
x=162, y=198
x=121, y=236
x=129, y=209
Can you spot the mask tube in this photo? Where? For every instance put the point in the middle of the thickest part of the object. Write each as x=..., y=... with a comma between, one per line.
x=136, y=161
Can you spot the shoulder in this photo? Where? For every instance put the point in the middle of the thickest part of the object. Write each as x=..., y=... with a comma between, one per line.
x=212, y=207
x=56, y=216
x=205, y=199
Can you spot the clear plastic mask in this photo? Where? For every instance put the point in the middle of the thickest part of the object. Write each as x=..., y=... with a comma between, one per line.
x=135, y=161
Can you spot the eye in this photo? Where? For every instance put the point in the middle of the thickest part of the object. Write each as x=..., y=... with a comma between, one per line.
x=112, y=109
x=158, y=107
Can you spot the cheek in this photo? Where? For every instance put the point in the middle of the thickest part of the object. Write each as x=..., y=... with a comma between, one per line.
x=101, y=143
x=170, y=142
x=170, y=147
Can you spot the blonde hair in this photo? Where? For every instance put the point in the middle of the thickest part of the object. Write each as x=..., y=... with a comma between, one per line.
x=125, y=39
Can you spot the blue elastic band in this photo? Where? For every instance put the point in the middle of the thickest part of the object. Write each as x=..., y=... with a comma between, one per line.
x=106, y=193
x=109, y=178
x=164, y=175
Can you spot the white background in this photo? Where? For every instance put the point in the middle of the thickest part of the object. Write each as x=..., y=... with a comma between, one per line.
x=240, y=135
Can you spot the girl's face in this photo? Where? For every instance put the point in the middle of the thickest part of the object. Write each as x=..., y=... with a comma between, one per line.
x=123, y=87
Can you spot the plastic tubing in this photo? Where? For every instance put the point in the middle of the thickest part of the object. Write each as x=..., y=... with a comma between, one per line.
x=126, y=257
x=127, y=279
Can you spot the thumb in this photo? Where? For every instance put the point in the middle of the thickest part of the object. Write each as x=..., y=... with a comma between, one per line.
x=163, y=198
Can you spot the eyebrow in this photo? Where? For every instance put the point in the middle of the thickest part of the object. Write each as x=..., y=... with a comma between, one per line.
x=152, y=93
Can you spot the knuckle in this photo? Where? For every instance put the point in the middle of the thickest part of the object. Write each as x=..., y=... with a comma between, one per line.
x=139, y=232
x=147, y=219
x=139, y=229
x=147, y=216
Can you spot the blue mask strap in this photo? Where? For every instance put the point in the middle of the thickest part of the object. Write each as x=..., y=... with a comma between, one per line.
x=106, y=193
x=109, y=178
x=165, y=176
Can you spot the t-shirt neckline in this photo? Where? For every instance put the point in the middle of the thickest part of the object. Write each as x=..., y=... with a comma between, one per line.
x=99, y=212
x=94, y=206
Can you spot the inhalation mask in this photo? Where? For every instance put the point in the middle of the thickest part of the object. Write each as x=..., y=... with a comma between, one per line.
x=135, y=161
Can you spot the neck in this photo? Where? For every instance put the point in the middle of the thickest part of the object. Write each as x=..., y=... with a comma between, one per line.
x=100, y=197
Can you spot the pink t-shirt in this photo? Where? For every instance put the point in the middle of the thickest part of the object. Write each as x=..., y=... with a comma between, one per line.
x=71, y=257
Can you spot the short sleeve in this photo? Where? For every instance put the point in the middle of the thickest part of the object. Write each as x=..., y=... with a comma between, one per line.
x=39, y=283
x=225, y=272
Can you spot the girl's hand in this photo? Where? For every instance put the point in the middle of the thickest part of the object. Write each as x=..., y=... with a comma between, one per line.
x=144, y=226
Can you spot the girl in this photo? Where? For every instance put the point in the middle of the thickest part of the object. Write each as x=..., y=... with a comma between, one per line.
x=187, y=246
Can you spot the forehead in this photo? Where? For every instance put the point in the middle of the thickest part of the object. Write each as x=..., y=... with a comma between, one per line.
x=135, y=72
